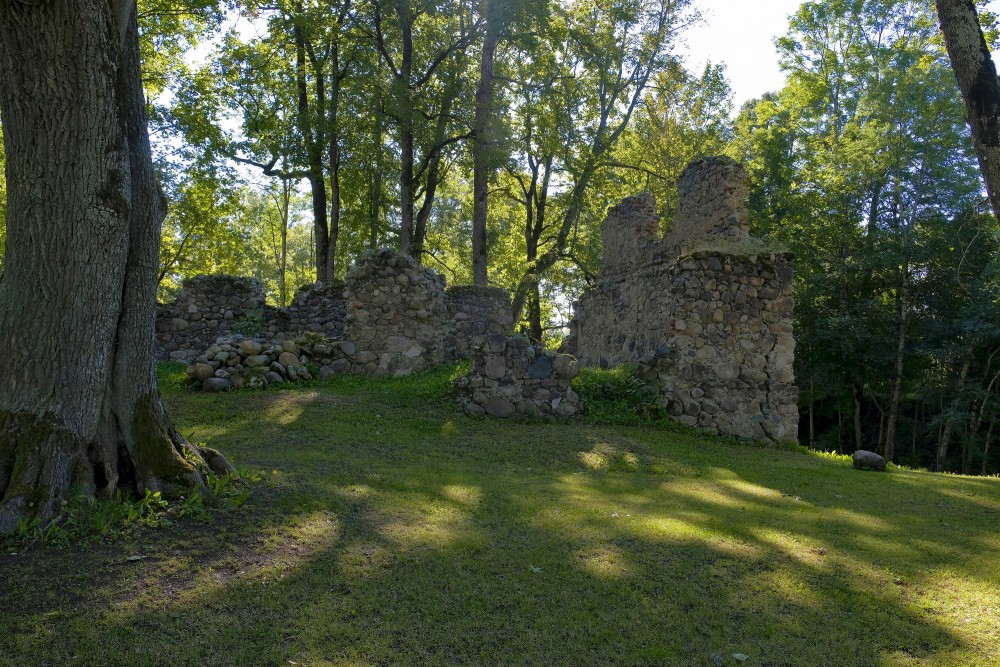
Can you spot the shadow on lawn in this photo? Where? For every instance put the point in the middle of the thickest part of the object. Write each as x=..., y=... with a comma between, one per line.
x=469, y=551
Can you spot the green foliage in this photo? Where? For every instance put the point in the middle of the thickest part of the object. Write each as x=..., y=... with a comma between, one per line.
x=861, y=167
x=84, y=519
x=250, y=324
x=615, y=396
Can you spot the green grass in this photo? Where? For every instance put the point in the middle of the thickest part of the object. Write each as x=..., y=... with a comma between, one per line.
x=388, y=529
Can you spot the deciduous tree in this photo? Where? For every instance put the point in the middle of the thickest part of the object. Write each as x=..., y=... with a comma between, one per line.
x=80, y=411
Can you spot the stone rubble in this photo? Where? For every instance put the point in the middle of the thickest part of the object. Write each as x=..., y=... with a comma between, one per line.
x=234, y=362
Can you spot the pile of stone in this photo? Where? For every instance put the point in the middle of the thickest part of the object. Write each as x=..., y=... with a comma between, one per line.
x=235, y=362
x=510, y=376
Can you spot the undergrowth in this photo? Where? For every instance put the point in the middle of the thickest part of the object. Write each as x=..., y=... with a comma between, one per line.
x=614, y=396
x=86, y=519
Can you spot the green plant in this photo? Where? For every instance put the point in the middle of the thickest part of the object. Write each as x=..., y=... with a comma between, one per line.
x=615, y=396
x=250, y=324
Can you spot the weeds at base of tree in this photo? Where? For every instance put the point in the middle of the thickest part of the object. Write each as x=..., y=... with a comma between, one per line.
x=86, y=519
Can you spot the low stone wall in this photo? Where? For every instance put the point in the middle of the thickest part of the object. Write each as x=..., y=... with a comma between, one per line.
x=705, y=310
x=510, y=376
x=478, y=311
x=392, y=317
x=206, y=308
x=315, y=308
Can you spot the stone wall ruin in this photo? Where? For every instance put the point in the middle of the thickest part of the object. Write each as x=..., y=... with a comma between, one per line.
x=391, y=317
x=705, y=310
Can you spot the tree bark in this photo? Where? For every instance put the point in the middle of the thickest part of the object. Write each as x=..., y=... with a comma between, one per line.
x=897, y=381
x=857, y=392
x=481, y=156
x=977, y=79
x=949, y=422
x=80, y=411
x=314, y=155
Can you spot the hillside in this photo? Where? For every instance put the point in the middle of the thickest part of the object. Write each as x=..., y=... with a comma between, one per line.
x=384, y=528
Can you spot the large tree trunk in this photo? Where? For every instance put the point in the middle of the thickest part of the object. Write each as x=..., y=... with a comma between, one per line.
x=80, y=411
x=977, y=79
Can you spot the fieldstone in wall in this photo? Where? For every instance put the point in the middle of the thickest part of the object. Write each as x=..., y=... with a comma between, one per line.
x=511, y=377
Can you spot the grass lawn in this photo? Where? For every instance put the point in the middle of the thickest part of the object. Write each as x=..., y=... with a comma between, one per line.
x=387, y=529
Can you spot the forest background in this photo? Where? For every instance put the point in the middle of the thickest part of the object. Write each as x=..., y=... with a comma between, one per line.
x=329, y=127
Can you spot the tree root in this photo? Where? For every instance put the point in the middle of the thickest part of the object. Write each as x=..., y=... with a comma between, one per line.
x=42, y=464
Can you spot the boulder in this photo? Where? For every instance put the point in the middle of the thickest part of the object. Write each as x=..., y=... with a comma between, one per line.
x=566, y=366
x=250, y=348
x=203, y=371
x=865, y=460
x=217, y=384
x=288, y=359
x=541, y=368
x=498, y=407
x=256, y=360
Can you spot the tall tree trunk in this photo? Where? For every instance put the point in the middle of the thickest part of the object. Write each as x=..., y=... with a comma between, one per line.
x=949, y=422
x=314, y=156
x=897, y=380
x=334, y=146
x=977, y=79
x=986, y=450
x=375, y=187
x=481, y=156
x=406, y=189
x=857, y=392
x=79, y=406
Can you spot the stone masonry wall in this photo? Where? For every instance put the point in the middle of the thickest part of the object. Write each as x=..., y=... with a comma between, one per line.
x=704, y=310
x=510, y=376
x=397, y=315
x=392, y=317
x=206, y=308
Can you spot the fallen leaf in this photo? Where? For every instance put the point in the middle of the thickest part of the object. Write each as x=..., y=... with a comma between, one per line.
x=742, y=657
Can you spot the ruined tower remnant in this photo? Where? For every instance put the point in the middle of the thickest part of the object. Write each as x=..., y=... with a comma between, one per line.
x=705, y=311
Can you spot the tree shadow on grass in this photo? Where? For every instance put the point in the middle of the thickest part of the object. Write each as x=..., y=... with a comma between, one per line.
x=532, y=545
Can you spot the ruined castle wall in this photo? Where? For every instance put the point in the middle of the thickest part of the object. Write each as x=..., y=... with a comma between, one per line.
x=511, y=377
x=708, y=315
x=730, y=346
x=392, y=317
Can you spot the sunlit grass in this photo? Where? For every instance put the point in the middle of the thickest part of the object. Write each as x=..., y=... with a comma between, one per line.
x=391, y=530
